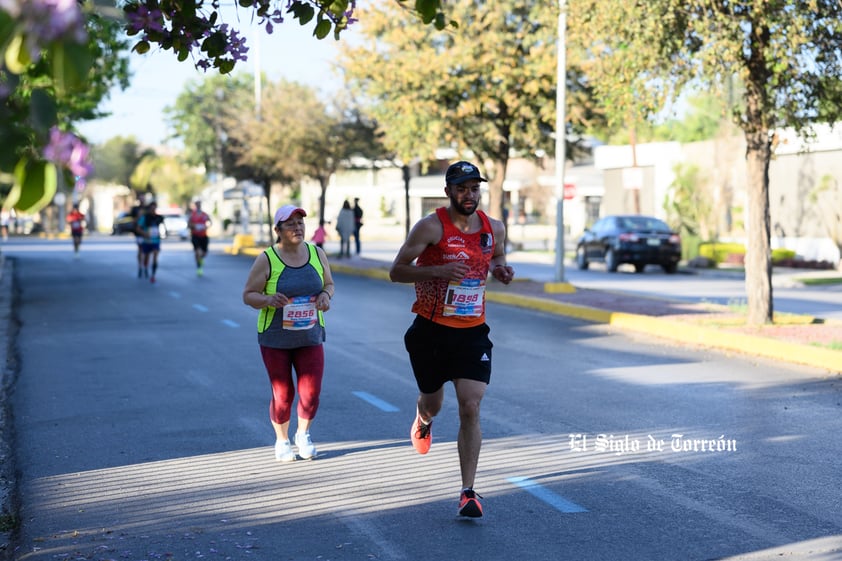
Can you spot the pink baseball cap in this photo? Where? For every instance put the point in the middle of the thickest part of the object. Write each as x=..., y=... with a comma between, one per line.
x=283, y=213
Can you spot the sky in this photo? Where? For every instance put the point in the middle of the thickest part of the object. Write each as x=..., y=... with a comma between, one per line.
x=290, y=52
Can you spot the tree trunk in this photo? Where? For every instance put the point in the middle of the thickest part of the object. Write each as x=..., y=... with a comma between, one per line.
x=267, y=191
x=323, y=183
x=758, y=260
x=495, y=189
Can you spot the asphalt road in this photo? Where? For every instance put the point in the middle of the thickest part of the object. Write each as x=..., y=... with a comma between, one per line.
x=142, y=433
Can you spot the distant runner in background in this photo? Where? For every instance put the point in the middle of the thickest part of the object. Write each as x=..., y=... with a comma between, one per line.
x=149, y=228
x=77, y=227
x=199, y=222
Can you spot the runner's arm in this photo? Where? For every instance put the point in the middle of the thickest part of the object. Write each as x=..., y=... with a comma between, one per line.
x=498, y=267
x=427, y=231
x=253, y=294
x=328, y=288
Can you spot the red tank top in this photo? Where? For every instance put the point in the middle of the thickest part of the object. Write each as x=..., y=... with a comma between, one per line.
x=451, y=303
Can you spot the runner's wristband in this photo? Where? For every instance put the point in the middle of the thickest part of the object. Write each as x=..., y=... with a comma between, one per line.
x=329, y=297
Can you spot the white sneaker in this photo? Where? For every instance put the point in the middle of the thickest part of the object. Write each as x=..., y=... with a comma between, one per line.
x=305, y=446
x=283, y=451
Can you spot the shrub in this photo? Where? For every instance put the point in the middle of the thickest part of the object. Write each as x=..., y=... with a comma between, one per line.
x=780, y=255
x=734, y=254
x=722, y=252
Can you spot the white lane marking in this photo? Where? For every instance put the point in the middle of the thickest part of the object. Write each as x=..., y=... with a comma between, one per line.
x=200, y=307
x=230, y=323
x=359, y=523
x=377, y=402
x=556, y=501
x=175, y=295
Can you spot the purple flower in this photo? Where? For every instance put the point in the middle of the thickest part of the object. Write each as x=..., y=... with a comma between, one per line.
x=237, y=46
x=144, y=19
x=46, y=21
x=67, y=150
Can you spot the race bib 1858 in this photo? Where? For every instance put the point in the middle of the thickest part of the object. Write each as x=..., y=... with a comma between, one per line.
x=465, y=298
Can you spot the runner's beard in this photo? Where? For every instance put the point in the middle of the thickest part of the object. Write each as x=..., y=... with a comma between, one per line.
x=461, y=209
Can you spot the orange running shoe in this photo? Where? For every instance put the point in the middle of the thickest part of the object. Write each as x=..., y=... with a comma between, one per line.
x=469, y=504
x=421, y=435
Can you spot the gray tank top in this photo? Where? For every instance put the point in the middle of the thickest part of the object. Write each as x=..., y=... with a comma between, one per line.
x=294, y=281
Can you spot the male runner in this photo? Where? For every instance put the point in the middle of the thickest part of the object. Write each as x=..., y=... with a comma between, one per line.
x=453, y=249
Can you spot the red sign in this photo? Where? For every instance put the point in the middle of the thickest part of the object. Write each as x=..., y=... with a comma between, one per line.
x=569, y=191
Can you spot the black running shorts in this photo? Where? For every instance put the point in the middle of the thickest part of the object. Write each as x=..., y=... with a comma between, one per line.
x=200, y=243
x=439, y=353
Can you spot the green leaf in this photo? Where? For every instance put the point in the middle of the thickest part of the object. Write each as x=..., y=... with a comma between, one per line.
x=71, y=64
x=34, y=187
x=302, y=12
x=17, y=55
x=427, y=9
x=42, y=110
x=7, y=29
x=215, y=44
x=141, y=48
x=226, y=66
x=338, y=8
x=322, y=28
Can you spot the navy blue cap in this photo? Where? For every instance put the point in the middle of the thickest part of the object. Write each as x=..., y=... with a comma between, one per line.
x=462, y=171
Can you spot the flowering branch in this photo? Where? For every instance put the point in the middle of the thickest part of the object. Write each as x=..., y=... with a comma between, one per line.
x=191, y=29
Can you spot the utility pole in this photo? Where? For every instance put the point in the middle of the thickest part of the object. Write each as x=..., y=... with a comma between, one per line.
x=560, y=128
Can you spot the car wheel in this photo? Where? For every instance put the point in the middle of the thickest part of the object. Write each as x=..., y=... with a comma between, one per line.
x=670, y=268
x=611, y=260
x=639, y=267
x=581, y=260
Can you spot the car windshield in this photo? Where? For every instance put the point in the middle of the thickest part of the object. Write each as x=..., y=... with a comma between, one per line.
x=643, y=224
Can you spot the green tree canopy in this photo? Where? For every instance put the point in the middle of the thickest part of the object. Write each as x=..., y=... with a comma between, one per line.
x=277, y=145
x=168, y=175
x=785, y=53
x=486, y=88
x=198, y=118
x=116, y=159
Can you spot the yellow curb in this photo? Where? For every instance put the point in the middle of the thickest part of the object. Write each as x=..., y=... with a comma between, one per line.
x=559, y=288
x=818, y=357
x=374, y=273
x=580, y=312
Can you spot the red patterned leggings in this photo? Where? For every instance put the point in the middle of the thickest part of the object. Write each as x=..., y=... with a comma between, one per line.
x=309, y=366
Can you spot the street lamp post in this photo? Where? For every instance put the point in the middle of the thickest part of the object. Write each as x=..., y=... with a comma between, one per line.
x=560, y=159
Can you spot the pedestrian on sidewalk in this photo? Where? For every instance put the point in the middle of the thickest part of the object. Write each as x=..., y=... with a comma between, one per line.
x=448, y=255
x=291, y=285
x=345, y=228
x=358, y=223
x=320, y=235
